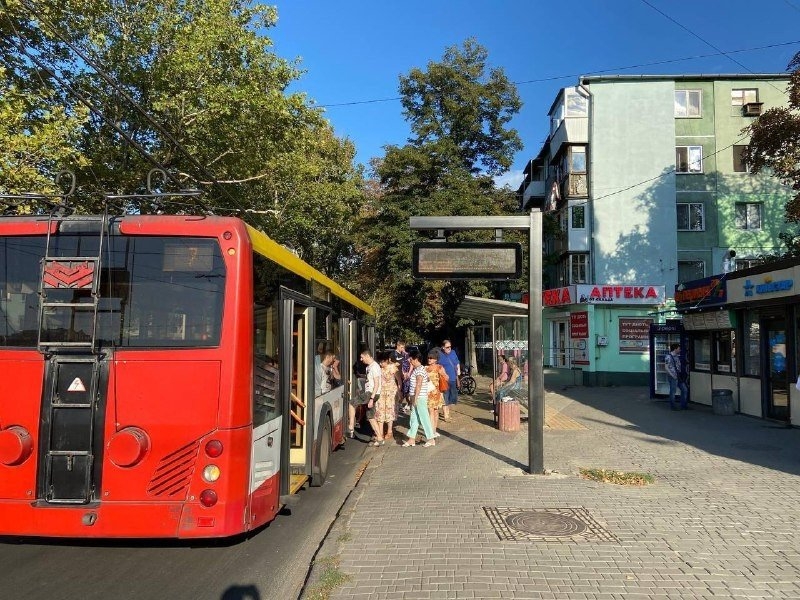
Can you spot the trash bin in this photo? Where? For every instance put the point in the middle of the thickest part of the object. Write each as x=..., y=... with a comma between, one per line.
x=508, y=414
x=722, y=402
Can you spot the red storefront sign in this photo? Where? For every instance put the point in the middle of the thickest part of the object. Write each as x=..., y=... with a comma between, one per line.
x=634, y=334
x=621, y=294
x=558, y=296
x=579, y=325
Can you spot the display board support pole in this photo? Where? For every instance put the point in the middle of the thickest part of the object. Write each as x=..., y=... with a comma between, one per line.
x=533, y=223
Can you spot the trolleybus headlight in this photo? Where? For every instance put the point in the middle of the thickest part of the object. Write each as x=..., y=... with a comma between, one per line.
x=208, y=498
x=16, y=445
x=213, y=448
x=211, y=473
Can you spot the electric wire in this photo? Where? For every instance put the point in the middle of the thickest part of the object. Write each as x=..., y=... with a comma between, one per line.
x=240, y=208
x=137, y=107
x=589, y=73
x=706, y=42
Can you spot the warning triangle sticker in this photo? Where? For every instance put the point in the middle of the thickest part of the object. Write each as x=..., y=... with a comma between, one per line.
x=76, y=386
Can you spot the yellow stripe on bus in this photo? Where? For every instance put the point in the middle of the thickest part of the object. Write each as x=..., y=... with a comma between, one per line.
x=268, y=247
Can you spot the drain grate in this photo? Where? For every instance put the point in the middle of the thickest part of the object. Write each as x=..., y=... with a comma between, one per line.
x=546, y=525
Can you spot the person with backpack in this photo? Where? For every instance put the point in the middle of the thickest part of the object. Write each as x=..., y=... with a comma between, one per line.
x=676, y=377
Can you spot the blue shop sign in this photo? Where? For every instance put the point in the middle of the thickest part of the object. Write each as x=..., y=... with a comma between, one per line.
x=768, y=287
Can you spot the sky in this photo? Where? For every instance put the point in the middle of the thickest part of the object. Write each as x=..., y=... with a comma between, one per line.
x=354, y=51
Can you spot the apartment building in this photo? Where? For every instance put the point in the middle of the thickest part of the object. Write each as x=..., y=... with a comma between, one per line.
x=645, y=177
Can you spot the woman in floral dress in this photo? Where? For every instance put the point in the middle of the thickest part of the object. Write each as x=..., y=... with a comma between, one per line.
x=436, y=372
x=385, y=408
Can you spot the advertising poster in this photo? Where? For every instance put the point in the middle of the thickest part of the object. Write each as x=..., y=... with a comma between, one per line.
x=579, y=333
x=634, y=335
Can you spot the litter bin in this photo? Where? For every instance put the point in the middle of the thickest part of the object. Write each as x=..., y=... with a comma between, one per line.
x=508, y=414
x=722, y=402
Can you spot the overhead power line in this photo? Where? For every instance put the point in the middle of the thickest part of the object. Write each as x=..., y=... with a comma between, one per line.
x=705, y=41
x=587, y=73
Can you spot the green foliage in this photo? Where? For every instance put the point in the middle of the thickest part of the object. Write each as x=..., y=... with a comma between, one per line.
x=36, y=138
x=196, y=84
x=775, y=142
x=458, y=114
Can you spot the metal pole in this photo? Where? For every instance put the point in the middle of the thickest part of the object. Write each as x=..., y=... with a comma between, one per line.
x=535, y=362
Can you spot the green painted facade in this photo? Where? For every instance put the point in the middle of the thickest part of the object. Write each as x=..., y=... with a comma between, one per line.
x=634, y=197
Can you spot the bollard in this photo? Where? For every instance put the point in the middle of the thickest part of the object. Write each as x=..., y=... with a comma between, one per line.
x=508, y=414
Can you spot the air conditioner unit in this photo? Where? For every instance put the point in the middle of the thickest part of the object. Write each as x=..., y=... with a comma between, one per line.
x=752, y=109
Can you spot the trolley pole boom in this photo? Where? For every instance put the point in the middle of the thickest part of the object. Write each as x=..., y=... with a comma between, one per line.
x=533, y=224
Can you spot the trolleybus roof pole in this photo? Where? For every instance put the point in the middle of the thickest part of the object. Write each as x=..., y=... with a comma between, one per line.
x=533, y=223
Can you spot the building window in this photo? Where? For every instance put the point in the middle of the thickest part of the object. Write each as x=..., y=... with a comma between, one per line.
x=746, y=263
x=687, y=103
x=739, y=165
x=689, y=270
x=578, y=270
x=701, y=352
x=689, y=159
x=748, y=215
x=751, y=345
x=579, y=217
x=577, y=104
x=742, y=97
x=577, y=160
x=723, y=352
x=691, y=216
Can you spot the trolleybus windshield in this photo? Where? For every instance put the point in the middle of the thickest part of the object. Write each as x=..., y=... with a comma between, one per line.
x=155, y=292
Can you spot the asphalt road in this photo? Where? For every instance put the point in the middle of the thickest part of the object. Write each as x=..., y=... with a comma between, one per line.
x=271, y=563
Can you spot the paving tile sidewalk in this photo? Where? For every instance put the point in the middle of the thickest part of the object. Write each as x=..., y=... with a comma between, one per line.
x=720, y=521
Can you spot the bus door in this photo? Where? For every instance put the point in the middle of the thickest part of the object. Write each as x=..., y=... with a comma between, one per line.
x=346, y=365
x=297, y=386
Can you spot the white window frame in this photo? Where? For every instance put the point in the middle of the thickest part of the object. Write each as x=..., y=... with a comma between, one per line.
x=746, y=263
x=689, y=206
x=686, y=104
x=740, y=99
x=689, y=161
x=581, y=262
x=746, y=225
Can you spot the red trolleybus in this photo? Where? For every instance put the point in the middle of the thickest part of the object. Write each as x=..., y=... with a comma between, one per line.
x=164, y=376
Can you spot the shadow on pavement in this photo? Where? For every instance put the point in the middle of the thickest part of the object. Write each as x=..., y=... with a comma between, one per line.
x=748, y=439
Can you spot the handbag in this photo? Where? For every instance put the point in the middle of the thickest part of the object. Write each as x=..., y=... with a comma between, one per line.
x=444, y=382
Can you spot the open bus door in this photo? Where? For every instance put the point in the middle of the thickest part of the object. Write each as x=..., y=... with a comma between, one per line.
x=296, y=377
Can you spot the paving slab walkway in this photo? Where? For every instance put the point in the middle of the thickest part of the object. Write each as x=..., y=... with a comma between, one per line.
x=463, y=519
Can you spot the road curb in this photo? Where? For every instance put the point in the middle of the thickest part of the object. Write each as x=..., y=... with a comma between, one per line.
x=331, y=543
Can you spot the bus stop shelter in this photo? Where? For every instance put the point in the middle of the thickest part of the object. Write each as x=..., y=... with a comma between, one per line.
x=501, y=328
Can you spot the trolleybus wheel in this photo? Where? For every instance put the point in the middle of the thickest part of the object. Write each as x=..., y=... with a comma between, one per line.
x=320, y=474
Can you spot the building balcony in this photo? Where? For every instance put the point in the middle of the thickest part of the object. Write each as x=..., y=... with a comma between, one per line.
x=572, y=130
x=534, y=189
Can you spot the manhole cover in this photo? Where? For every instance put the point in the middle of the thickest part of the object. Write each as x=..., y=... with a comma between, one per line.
x=546, y=524
x=751, y=446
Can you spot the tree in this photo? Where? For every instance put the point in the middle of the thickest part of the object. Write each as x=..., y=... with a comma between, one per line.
x=458, y=110
x=193, y=86
x=775, y=145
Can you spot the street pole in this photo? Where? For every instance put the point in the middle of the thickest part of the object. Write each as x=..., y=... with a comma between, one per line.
x=535, y=359
x=533, y=224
